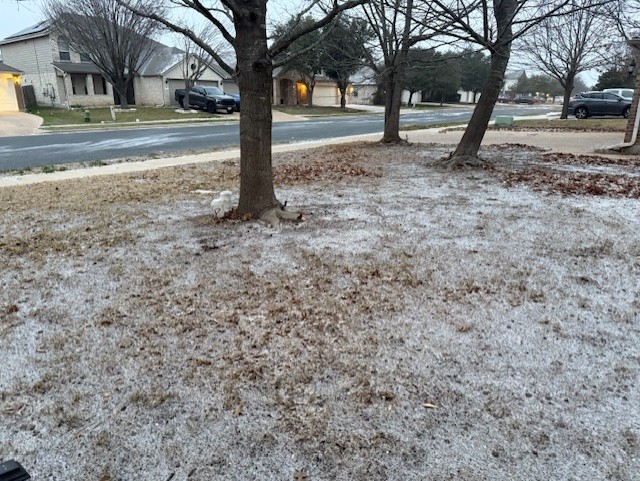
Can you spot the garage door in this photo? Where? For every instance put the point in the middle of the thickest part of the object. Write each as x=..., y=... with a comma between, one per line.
x=179, y=84
x=8, y=100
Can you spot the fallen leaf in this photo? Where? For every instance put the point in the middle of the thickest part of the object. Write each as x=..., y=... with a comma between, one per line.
x=300, y=476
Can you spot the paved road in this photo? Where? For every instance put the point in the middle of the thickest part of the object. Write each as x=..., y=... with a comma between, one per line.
x=59, y=148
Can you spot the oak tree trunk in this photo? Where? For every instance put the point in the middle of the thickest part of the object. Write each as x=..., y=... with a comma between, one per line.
x=466, y=152
x=568, y=87
x=254, y=69
x=392, y=104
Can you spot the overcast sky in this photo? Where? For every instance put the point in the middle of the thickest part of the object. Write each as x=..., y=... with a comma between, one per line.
x=17, y=16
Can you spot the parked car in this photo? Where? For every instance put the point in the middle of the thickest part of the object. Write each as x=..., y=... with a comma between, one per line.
x=588, y=104
x=236, y=97
x=526, y=100
x=624, y=93
x=211, y=99
x=504, y=99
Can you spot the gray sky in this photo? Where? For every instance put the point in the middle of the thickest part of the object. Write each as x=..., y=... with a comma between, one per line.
x=17, y=16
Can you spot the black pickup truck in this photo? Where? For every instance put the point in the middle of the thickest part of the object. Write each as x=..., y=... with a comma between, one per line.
x=211, y=99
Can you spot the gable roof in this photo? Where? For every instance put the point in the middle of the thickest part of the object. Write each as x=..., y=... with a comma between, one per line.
x=515, y=75
x=162, y=59
x=165, y=58
x=40, y=29
x=77, y=67
x=7, y=68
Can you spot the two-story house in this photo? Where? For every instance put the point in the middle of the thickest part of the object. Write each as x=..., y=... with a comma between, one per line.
x=64, y=78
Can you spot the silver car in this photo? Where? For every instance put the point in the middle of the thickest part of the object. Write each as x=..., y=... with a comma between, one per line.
x=588, y=104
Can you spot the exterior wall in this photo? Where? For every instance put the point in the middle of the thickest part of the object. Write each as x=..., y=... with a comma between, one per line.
x=34, y=58
x=149, y=91
x=325, y=93
x=468, y=97
x=69, y=99
x=363, y=94
x=417, y=96
x=230, y=87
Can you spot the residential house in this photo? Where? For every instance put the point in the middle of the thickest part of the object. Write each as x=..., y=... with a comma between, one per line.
x=10, y=92
x=364, y=87
x=289, y=89
x=511, y=79
x=64, y=78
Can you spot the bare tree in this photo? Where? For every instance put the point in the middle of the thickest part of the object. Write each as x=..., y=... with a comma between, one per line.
x=493, y=26
x=563, y=47
x=398, y=25
x=244, y=26
x=116, y=40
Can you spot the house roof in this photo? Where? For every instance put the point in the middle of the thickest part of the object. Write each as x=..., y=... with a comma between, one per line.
x=364, y=76
x=165, y=58
x=8, y=69
x=515, y=75
x=75, y=67
x=40, y=29
x=162, y=60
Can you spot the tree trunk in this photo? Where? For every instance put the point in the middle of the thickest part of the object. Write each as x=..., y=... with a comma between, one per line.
x=392, y=104
x=568, y=87
x=310, y=94
x=121, y=87
x=410, y=97
x=466, y=152
x=255, y=84
x=343, y=96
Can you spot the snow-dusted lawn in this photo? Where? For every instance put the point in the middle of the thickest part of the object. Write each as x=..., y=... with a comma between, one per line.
x=418, y=325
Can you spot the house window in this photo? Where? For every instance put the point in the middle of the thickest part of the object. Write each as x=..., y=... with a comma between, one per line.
x=63, y=49
x=99, y=85
x=85, y=57
x=79, y=84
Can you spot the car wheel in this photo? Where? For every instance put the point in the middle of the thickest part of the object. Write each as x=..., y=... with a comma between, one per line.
x=581, y=113
x=230, y=111
x=625, y=113
x=211, y=107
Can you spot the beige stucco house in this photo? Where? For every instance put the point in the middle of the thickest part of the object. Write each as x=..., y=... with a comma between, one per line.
x=10, y=92
x=289, y=89
x=64, y=78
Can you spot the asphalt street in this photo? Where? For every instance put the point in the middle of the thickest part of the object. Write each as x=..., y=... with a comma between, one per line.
x=96, y=145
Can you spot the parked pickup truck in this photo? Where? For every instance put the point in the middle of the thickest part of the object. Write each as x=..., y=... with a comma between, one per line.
x=211, y=99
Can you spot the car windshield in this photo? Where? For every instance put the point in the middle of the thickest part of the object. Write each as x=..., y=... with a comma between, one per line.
x=213, y=91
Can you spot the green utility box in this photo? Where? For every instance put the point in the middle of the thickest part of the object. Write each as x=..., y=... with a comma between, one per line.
x=87, y=115
x=503, y=121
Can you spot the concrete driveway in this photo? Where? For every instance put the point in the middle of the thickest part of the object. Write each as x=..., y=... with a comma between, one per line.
x=18, y=123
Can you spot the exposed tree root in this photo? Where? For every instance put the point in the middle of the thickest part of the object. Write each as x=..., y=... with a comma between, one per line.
x=397, y=141
x=461, y=162
x=274, y=215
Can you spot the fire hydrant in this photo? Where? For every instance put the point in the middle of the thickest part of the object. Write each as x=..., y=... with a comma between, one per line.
x=87, y=115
